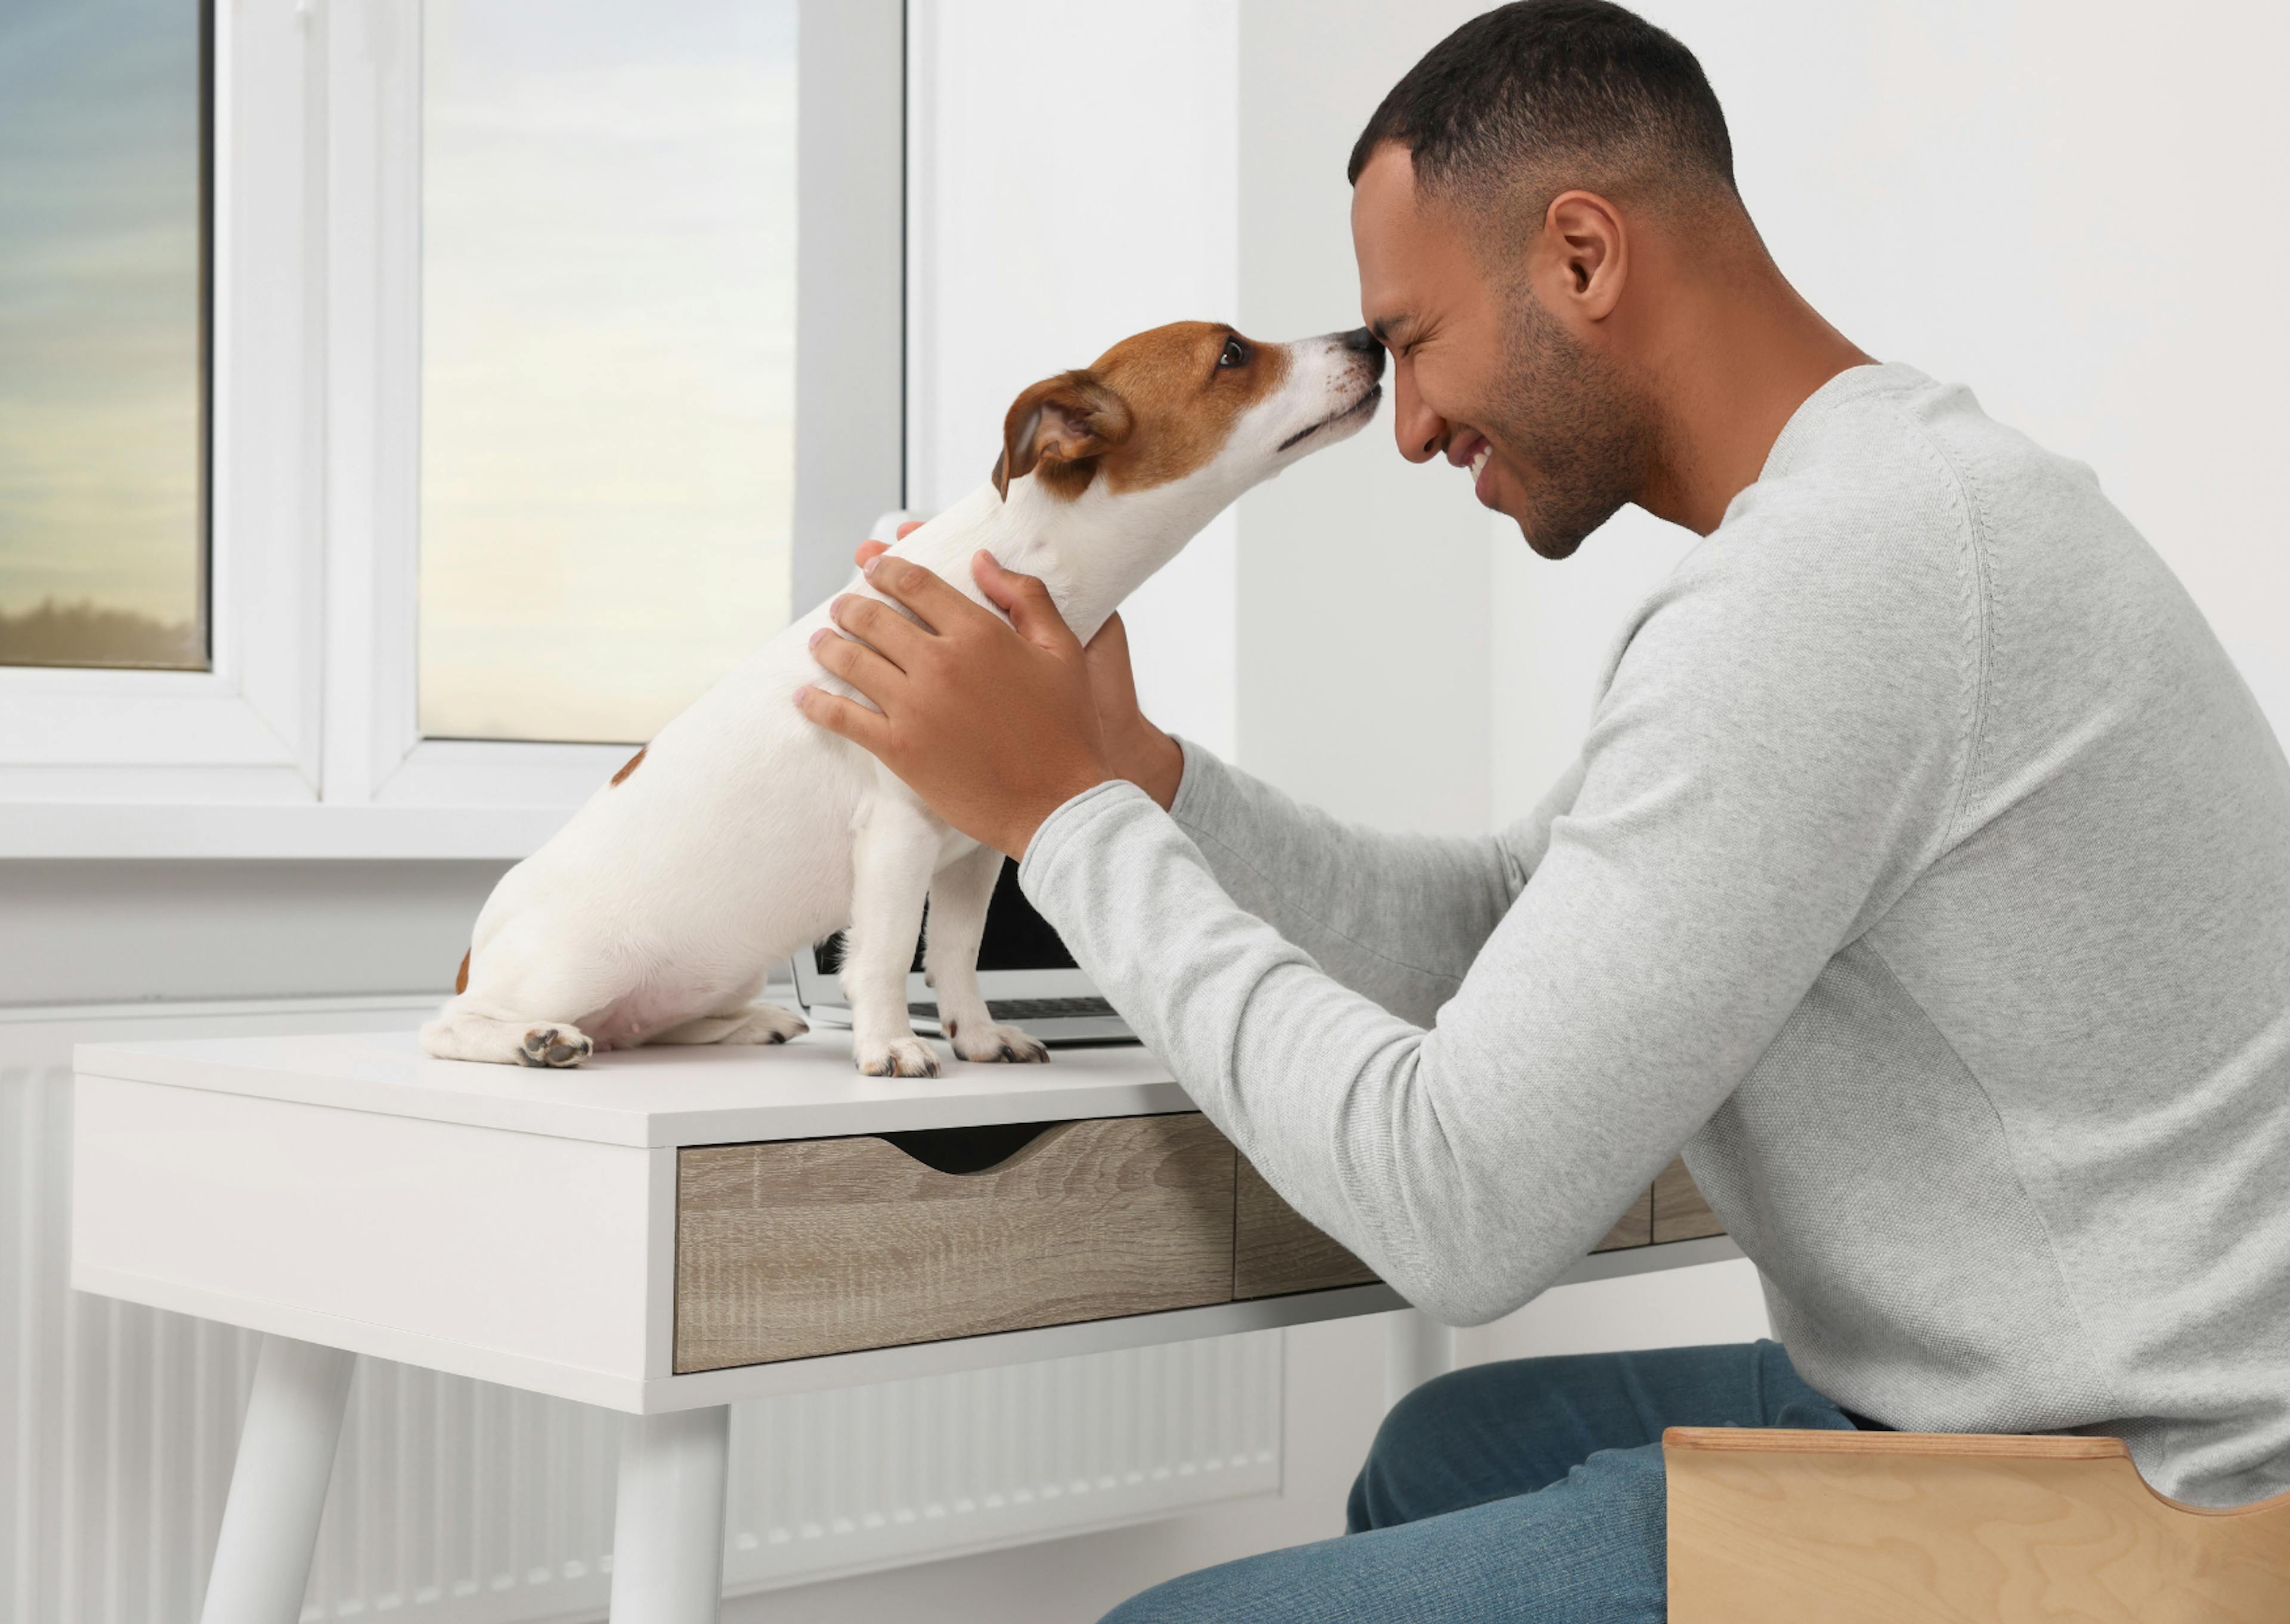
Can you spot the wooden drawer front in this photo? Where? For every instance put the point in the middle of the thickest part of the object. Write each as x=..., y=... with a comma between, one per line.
x=816, y=1246
x=1634, y=1227
x=1673, y=1209
x=1680, y=1214
x=1276, y=1250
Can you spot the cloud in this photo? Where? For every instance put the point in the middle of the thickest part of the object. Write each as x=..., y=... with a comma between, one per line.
x=100, y=385
x=609, y=370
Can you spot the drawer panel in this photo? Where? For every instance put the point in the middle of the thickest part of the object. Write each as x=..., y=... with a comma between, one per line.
x=1276, y=1250
x=1680, y=1211
x=790, y=1249
x=1634, y=1227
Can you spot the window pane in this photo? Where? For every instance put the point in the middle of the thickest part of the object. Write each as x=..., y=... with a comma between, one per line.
x=102, y=341
x=608, y=339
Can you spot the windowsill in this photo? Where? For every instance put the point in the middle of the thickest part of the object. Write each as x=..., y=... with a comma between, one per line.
x=138, y=829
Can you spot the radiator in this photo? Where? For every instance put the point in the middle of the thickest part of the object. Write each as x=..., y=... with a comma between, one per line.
x=465, y=1503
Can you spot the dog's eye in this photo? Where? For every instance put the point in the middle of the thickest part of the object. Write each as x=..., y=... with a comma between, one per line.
x=1236, y=353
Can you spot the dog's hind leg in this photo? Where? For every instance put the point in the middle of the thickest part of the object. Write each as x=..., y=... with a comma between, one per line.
x=891, y=860
x=958, y=898
x=462, y=1034
x=518, y=996
x=742, y=1020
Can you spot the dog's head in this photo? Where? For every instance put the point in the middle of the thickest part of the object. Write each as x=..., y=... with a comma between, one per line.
x=1192, y=407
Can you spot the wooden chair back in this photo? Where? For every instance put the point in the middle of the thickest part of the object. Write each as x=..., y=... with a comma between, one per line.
x=1784, y=1527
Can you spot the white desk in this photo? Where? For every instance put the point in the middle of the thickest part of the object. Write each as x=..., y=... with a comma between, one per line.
x=348, y=1194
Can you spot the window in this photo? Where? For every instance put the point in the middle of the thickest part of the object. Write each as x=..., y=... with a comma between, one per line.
x=608, y=312
x=103, y=266
x=553, y=358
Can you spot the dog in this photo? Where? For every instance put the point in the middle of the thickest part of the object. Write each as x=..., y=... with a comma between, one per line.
x=742, y=832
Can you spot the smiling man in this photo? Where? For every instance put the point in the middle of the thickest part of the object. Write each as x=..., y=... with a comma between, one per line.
x=1924, y=875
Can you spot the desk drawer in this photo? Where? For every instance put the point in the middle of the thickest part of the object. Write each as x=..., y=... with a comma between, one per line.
x=788, y=1250
x=1681, y=1212
x=1276, y=1249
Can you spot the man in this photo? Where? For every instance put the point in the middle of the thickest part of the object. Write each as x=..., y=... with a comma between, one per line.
x=1925, y=874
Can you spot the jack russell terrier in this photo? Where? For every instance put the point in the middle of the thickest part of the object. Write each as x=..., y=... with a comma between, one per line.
x=743, y=833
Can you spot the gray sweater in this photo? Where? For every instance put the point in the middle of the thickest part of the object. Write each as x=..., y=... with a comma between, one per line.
x=1924, y=875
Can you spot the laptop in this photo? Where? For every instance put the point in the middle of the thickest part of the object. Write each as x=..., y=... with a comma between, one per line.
x=1028, y=978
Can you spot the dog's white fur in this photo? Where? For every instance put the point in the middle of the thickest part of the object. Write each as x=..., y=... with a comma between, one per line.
x=745, y=832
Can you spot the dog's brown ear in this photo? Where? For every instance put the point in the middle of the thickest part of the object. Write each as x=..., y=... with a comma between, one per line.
x=1069, y=419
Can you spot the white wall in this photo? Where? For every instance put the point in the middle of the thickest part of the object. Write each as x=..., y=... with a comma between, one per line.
x=1365, y=630
x=1070, y=182
x=97, y=932
x=2074, y=207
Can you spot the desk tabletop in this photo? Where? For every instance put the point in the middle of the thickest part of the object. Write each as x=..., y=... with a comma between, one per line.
x=807, y=1089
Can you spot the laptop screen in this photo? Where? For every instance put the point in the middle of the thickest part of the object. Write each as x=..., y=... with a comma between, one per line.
x=1017, y=937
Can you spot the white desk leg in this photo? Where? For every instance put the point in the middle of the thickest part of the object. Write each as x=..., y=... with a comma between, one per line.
x=1416, y=1348
x=667, y=1531
x=278, y=1484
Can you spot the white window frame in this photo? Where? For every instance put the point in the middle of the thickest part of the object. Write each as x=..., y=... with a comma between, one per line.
x=302, y=741
x=247, y=728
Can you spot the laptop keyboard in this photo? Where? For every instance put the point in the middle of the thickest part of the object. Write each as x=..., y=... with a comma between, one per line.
x=1030, y=1009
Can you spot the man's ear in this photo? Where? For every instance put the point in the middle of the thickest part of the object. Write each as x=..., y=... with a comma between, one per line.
x=1588, y=248
x=1068, y=418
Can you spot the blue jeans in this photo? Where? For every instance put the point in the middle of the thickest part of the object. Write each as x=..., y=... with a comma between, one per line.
x=1528, y=1492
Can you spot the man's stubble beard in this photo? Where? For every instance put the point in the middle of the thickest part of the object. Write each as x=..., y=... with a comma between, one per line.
x=1568, y=409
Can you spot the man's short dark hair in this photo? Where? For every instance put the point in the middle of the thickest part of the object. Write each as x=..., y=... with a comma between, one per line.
x=1534, y=97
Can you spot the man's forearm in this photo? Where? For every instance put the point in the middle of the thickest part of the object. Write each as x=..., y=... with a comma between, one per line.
x=1395, y=917
x=1349, y=1109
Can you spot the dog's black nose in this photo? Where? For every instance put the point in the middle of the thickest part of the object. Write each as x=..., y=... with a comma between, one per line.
x=1360, y=341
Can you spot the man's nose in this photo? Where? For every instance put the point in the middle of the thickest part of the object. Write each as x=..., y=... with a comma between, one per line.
x=1419, y=431
x=1360, y=341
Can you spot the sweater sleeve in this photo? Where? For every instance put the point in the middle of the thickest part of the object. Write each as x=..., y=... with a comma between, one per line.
x=1775, y=755
x=1395, y=917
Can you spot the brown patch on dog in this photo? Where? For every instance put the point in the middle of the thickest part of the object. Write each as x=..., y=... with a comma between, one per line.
x=630, y=766
x=1152, y=409
x=461, y=978
x=1058, y=429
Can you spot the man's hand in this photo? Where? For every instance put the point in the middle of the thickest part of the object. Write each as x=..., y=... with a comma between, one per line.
x=995, y=726
x=1140, y=751
x=1135, y=749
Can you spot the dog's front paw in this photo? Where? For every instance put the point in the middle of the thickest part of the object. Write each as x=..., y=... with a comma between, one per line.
x=553, y=1046
x=895, y=1057
x=991, y=1040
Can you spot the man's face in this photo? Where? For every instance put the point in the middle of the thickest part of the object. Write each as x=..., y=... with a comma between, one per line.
x=1484, y=372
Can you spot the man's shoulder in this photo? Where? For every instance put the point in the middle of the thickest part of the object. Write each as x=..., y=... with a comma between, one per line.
x=1888, y=491
x=1863, y=474
x=1889, y=452
x=1876, y=535
x=1853, y=560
